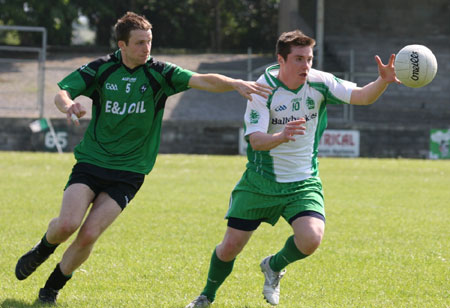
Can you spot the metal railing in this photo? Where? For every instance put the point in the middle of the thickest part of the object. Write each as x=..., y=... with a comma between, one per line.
x=42, y=54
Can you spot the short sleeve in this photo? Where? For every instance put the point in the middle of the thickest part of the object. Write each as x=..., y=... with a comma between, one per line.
x=177, y=78
x=73, y=83
x=339, y=90
x=78, y=82
x=257, y=115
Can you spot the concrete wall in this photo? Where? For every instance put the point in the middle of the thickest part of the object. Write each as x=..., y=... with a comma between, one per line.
x=216, y=138
x=381, y=19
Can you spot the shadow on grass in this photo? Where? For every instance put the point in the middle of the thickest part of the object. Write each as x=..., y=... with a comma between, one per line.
x=12, y=303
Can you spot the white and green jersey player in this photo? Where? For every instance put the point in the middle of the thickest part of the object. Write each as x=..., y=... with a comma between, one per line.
x=283, y=181
x=127, y=110
x=295, y=160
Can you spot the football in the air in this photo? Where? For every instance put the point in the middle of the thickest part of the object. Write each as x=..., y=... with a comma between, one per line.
x=415, y=66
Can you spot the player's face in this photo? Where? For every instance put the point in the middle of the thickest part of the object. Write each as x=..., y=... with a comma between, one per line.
x=294, y=70
x=137, y=51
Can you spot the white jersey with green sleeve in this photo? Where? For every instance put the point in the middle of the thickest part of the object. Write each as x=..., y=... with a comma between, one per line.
x=295, y=160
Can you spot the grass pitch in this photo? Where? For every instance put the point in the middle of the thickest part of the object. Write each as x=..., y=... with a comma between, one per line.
x=386, y=242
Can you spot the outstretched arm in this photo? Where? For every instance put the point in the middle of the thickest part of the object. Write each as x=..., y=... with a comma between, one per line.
x=221, y=83
x=372, y=91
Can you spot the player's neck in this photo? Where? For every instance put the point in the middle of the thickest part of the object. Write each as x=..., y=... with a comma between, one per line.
x=292, y=84
x=129, y=64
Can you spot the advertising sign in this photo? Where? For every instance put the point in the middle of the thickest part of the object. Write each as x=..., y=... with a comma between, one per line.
x=440, y=143
x=344, y=143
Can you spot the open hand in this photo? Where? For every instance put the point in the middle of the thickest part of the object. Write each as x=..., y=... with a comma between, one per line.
x=246, y=88
x=387, y=72
x=294, y=128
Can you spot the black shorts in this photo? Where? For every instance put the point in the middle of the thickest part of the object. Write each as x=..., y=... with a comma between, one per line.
x=120, y=185
x=252, y=225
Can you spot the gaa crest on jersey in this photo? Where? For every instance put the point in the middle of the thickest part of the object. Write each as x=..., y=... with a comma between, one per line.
x=111, y=87
x=254, y=116
x=143, y=88
x=280, y=108
x=310, y=103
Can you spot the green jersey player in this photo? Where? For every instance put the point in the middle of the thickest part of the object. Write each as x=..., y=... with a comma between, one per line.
x=282, y=179
x=128, y=89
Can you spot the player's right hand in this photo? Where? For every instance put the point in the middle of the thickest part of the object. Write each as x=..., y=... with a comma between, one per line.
x=294, y=128
x=74, y=112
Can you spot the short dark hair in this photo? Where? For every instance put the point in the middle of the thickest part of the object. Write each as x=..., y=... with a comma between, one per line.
x=292, y=38
x=129, y=22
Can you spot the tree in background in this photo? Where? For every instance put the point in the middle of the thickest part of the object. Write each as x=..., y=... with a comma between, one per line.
x=213, y=25
x=102, y=16
x=250, y=23
x=56, y=16
x=217, y=25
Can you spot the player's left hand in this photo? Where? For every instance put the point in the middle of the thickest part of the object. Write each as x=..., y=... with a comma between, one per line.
x=246, y=88
x=387, y=72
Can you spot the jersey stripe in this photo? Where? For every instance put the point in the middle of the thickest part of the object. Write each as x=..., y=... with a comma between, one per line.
x=88, y=72
x=168, y=77
x=324, y=89
x=107, y=72
x=156, y=87
x=322, y=123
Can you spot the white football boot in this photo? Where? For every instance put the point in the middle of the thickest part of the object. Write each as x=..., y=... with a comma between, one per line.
x=200, y=302
x=271, y=290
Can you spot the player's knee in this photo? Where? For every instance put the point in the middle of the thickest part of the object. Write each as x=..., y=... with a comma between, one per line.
x=87, y=237
x=308, y=243
x=65, y=228
x=229, y=249
x=314, y=243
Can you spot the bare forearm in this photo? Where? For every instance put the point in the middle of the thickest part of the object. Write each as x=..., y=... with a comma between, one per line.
x=265, y=142
x=66, y=105
x=221, y=83
x=63, y=101
x=212, y=83
x=369, y=93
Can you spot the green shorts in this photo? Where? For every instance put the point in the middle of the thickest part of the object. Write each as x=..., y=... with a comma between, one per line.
x=258, y=198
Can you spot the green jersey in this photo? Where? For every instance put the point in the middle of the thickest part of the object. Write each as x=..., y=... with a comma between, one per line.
x=127, y=110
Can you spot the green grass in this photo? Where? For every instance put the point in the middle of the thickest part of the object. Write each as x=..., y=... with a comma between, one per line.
x=386, y=242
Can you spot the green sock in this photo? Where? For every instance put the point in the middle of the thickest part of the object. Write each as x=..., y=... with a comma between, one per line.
x=218, y=272
x=288, y=254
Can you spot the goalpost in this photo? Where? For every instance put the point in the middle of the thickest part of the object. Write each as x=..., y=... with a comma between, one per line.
x=41, y=51
x=42, y=55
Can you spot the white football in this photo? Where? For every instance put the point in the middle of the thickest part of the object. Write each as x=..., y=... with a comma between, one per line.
x=415, y=66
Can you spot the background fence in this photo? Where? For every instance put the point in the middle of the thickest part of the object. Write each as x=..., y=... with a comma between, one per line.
x=28, y=80
x=22, y=74
x=399, y=124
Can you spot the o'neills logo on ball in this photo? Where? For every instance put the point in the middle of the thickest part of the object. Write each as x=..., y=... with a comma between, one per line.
x=415, y=65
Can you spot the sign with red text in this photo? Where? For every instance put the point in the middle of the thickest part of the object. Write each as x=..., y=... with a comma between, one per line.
x=344, y=143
